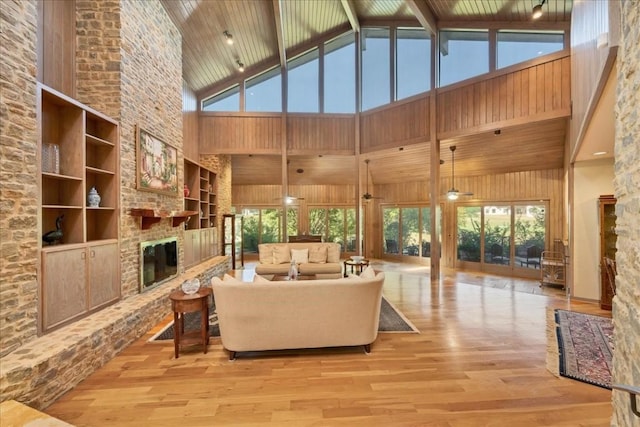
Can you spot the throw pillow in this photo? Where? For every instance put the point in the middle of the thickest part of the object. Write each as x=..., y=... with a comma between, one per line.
x=265, y=252
x=259, y=279
x=318, y=254
x=368, y=273
x=333, y=253
x=281, y=254
x=216, y=280
x=300, y=256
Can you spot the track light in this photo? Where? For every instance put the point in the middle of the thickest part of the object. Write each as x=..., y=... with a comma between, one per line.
x=240, y=66
x=537, y=10
x=228, y=36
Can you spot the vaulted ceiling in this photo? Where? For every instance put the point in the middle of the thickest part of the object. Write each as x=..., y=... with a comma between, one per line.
x=267, y=32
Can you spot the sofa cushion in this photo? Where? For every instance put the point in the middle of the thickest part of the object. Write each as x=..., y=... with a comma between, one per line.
x=300, y=256
x=318, y=254
x=281, y=254
x=320, y=268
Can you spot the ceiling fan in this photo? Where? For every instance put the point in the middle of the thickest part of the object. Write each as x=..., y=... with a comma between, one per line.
x=368, y=196
x=453, y=193
x=289, y=199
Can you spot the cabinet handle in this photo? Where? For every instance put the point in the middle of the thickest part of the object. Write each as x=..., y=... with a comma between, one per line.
x=83, y=255
x=93, y=254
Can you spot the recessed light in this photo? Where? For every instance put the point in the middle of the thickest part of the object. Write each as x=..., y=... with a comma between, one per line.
x=599, y=153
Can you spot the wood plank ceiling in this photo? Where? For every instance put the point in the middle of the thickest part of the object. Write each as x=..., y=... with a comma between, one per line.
x=209, y=63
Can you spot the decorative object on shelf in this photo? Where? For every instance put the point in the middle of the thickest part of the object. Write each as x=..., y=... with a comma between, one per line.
x=186, y=191
x=51, y=158
x=190, y=287
x=94, y=198
x=210, y=188
x=156, y=164
x=201, y=213
x=54, y=236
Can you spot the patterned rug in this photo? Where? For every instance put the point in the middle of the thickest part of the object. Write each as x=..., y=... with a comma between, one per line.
x=585, y=347
x=391, y=320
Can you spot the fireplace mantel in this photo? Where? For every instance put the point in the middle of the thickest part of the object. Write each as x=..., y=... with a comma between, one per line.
x=150, y=217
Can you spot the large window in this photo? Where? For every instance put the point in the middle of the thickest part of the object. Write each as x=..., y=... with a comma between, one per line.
x=376, y=63
x=261, y=226
x=303, y=75
x=510, y=235
x=339, y=75
x=463, y=54
x=518, y=46
x=407, y=231
x=413, y=58
x=264, y=92
x=228, y=100
x=335, y=225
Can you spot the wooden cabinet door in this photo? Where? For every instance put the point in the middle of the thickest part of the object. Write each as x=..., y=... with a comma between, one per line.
x=191, y=247
x=64, y=291
x=104, y=274
x=206, y=243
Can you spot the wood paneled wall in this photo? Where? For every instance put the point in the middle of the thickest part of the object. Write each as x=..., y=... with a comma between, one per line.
x=57, y=45
x=539, y=185
x=591, y=21
x=189, y=123
x=240, y=133
x=314, y=134
x=541, y=91
x=271, y=195
x=400, y=124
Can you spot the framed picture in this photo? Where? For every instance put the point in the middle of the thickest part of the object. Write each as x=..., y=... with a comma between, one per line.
x=157, y=164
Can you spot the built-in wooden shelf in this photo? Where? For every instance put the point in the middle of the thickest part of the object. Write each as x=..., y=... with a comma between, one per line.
x=150, y=217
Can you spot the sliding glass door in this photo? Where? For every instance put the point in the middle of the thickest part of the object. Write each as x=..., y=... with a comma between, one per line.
x=501, y=236
x=406, y=231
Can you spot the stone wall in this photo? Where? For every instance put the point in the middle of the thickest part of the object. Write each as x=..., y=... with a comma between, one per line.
x=626, y=303
x=128, y=66
x=18, y=176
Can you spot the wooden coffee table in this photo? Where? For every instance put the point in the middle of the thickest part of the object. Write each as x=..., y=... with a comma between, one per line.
x=283, y=278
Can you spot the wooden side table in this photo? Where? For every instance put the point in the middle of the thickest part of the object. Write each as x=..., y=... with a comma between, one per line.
x=182, y=303
x=360, y=265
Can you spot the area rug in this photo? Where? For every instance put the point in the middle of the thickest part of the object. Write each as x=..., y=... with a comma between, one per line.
x=391, y=320
x=584, y=347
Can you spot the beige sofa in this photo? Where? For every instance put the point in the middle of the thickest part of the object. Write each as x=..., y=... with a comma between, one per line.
x=302, y=314
x=322, y=259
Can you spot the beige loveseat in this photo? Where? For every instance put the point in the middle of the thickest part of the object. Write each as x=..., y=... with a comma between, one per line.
x=301, y=314
x=322, y=259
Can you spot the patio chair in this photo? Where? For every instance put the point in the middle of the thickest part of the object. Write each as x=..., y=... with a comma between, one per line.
x=533, y=257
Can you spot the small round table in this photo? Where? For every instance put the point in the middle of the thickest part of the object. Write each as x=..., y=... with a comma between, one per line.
x=182, y=303
x=359, y=264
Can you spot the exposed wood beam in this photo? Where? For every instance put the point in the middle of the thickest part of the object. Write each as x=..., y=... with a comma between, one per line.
x=424, y=15
x=277, y=12
x=350, y=10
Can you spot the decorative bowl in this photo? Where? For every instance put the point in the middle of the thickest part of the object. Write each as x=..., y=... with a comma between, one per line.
x=190, y=287
x=357, y=258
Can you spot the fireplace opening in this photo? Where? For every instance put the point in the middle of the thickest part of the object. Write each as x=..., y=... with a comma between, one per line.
x=158, y=262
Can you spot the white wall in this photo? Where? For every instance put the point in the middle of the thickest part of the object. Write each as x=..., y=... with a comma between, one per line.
x=591, y=179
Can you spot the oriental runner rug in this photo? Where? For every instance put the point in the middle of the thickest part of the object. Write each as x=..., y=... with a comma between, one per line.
x=391, y=320
x=585, y=347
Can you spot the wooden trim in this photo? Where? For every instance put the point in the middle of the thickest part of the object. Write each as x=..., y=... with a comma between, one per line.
x=505, y=25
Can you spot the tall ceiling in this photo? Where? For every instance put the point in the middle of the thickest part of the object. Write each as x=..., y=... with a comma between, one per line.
x=268, y=32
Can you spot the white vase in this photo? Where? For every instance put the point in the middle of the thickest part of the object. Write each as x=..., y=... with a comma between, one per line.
x=94, y=198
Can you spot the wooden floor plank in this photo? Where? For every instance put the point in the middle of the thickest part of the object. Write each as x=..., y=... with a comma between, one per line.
x=479, y=360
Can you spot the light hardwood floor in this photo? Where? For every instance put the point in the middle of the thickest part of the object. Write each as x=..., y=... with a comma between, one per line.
x=479, y=360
